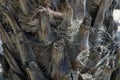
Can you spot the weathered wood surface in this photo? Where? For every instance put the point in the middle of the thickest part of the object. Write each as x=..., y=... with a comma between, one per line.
x=59, y=40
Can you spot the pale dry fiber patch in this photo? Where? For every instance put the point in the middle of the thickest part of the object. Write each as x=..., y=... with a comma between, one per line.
x=116, y=14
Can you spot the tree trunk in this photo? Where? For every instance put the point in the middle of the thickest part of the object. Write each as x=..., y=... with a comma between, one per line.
x=59, y=40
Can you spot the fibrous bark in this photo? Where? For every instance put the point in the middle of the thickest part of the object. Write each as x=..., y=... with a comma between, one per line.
x=59, y=40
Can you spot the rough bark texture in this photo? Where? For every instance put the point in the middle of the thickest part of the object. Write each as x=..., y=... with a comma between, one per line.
x=59, y=40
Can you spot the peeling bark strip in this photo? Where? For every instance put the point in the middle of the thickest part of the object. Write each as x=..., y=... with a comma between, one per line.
x=84, y=34
x=46, y=32
x=8, y=55
x=11, y=61
x=11, y=19
x=49, y=40
x=61, y=67
x=104, y=5
x=25, y=6
x=19, y=36
x=6, y=38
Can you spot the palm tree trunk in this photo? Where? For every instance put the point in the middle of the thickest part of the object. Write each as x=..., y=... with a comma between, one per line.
x=59, y=40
